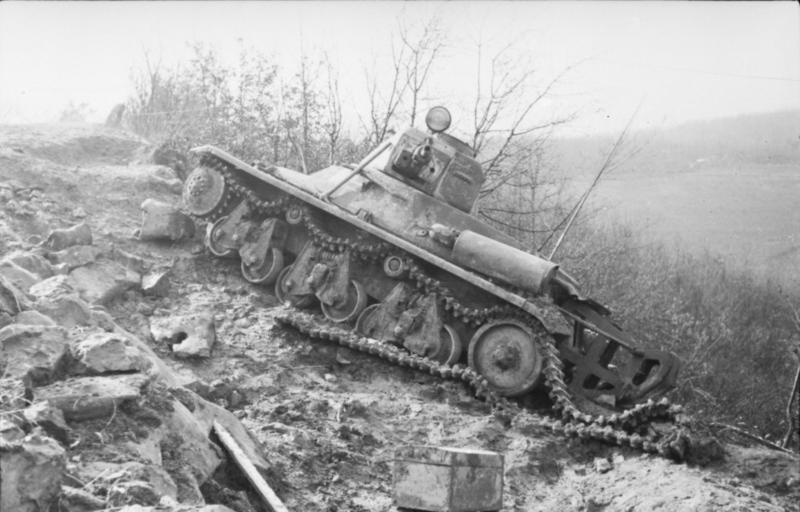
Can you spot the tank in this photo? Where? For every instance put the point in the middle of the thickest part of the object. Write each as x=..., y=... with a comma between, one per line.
x=390, y=249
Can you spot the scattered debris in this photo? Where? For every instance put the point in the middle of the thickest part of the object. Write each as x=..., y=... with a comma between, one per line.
x=448, y=479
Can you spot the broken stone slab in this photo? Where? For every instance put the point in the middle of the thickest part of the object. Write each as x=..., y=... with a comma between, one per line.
x=102, y=281
x=32, y=472
x=163, y=221
x=186, y=443
x=206, y=413
x=58, y=239
x=34, y=352
x=156, y=283
x=190, y=335
x=32, y=262
x=18, y=276
x=85, y=398
x=75, y=256
x=105, y=352
x=50, y=419
x=57, y=298
x=33, y=317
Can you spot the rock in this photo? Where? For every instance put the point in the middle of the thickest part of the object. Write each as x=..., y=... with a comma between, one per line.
x=57, y=298
x=171, y=160
x=32, y=472
x=34, y=352
x=11, y=301
x=32, y=317
x=79, y=213
x=83, y=398
x=32, y=262
x=190, y=335
x=102, y=281
x=131, y=261
x=75, y=256
x=207, y=412
x=602, y=465
x=10, y=432
x=17, y=275
x=163, y=221
x=58, y=239
x=50, y=419
x=73, y=499
x=107, y=352
x=186, y=444
x=156, y=283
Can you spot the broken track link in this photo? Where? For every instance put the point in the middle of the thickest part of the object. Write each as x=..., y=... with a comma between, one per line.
x=673, y=445
x=573, y=422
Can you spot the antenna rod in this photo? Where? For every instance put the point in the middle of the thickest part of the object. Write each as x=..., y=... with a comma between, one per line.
x=574, y=214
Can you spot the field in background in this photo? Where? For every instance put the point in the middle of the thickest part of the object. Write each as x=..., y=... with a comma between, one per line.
x=730, y=187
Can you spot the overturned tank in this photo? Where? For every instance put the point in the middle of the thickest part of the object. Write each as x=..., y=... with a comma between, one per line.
x=389, y=248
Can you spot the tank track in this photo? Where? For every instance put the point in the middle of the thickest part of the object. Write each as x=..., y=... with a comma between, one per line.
x=629, y=428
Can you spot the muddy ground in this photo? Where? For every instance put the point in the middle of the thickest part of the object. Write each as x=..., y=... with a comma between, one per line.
x=330, y=419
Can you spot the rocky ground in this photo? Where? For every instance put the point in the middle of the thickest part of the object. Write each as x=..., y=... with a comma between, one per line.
x=119, y=354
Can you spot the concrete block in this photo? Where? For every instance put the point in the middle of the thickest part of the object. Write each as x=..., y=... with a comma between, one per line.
x=441, y=479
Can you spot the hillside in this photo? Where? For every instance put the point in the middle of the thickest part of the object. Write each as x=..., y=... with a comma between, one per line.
x=726, y=186
x=329, y=419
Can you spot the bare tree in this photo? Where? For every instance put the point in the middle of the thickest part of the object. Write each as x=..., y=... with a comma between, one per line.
x=413, y=57
x=333, y=112
x=423, y=50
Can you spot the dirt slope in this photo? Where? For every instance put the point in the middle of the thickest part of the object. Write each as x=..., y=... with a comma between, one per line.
x=329, y=418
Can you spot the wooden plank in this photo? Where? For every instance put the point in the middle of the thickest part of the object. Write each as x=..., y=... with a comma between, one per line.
x=249, y=469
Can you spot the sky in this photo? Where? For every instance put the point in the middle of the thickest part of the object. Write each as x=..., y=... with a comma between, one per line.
x=680, y=61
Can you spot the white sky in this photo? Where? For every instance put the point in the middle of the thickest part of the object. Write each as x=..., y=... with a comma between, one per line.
x=687, y=60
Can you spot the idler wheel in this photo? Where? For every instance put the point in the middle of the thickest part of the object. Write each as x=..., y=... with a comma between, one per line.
x=213, y=238
x=450, y=347
x=204, y=192
x=353, y=305
x=265, y=272
x=506, y=354
x=282, y=287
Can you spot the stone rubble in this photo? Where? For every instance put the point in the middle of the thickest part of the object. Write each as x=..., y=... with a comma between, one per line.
x=78, y=392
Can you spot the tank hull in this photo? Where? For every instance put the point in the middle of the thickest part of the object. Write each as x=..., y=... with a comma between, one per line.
x=422, y=274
